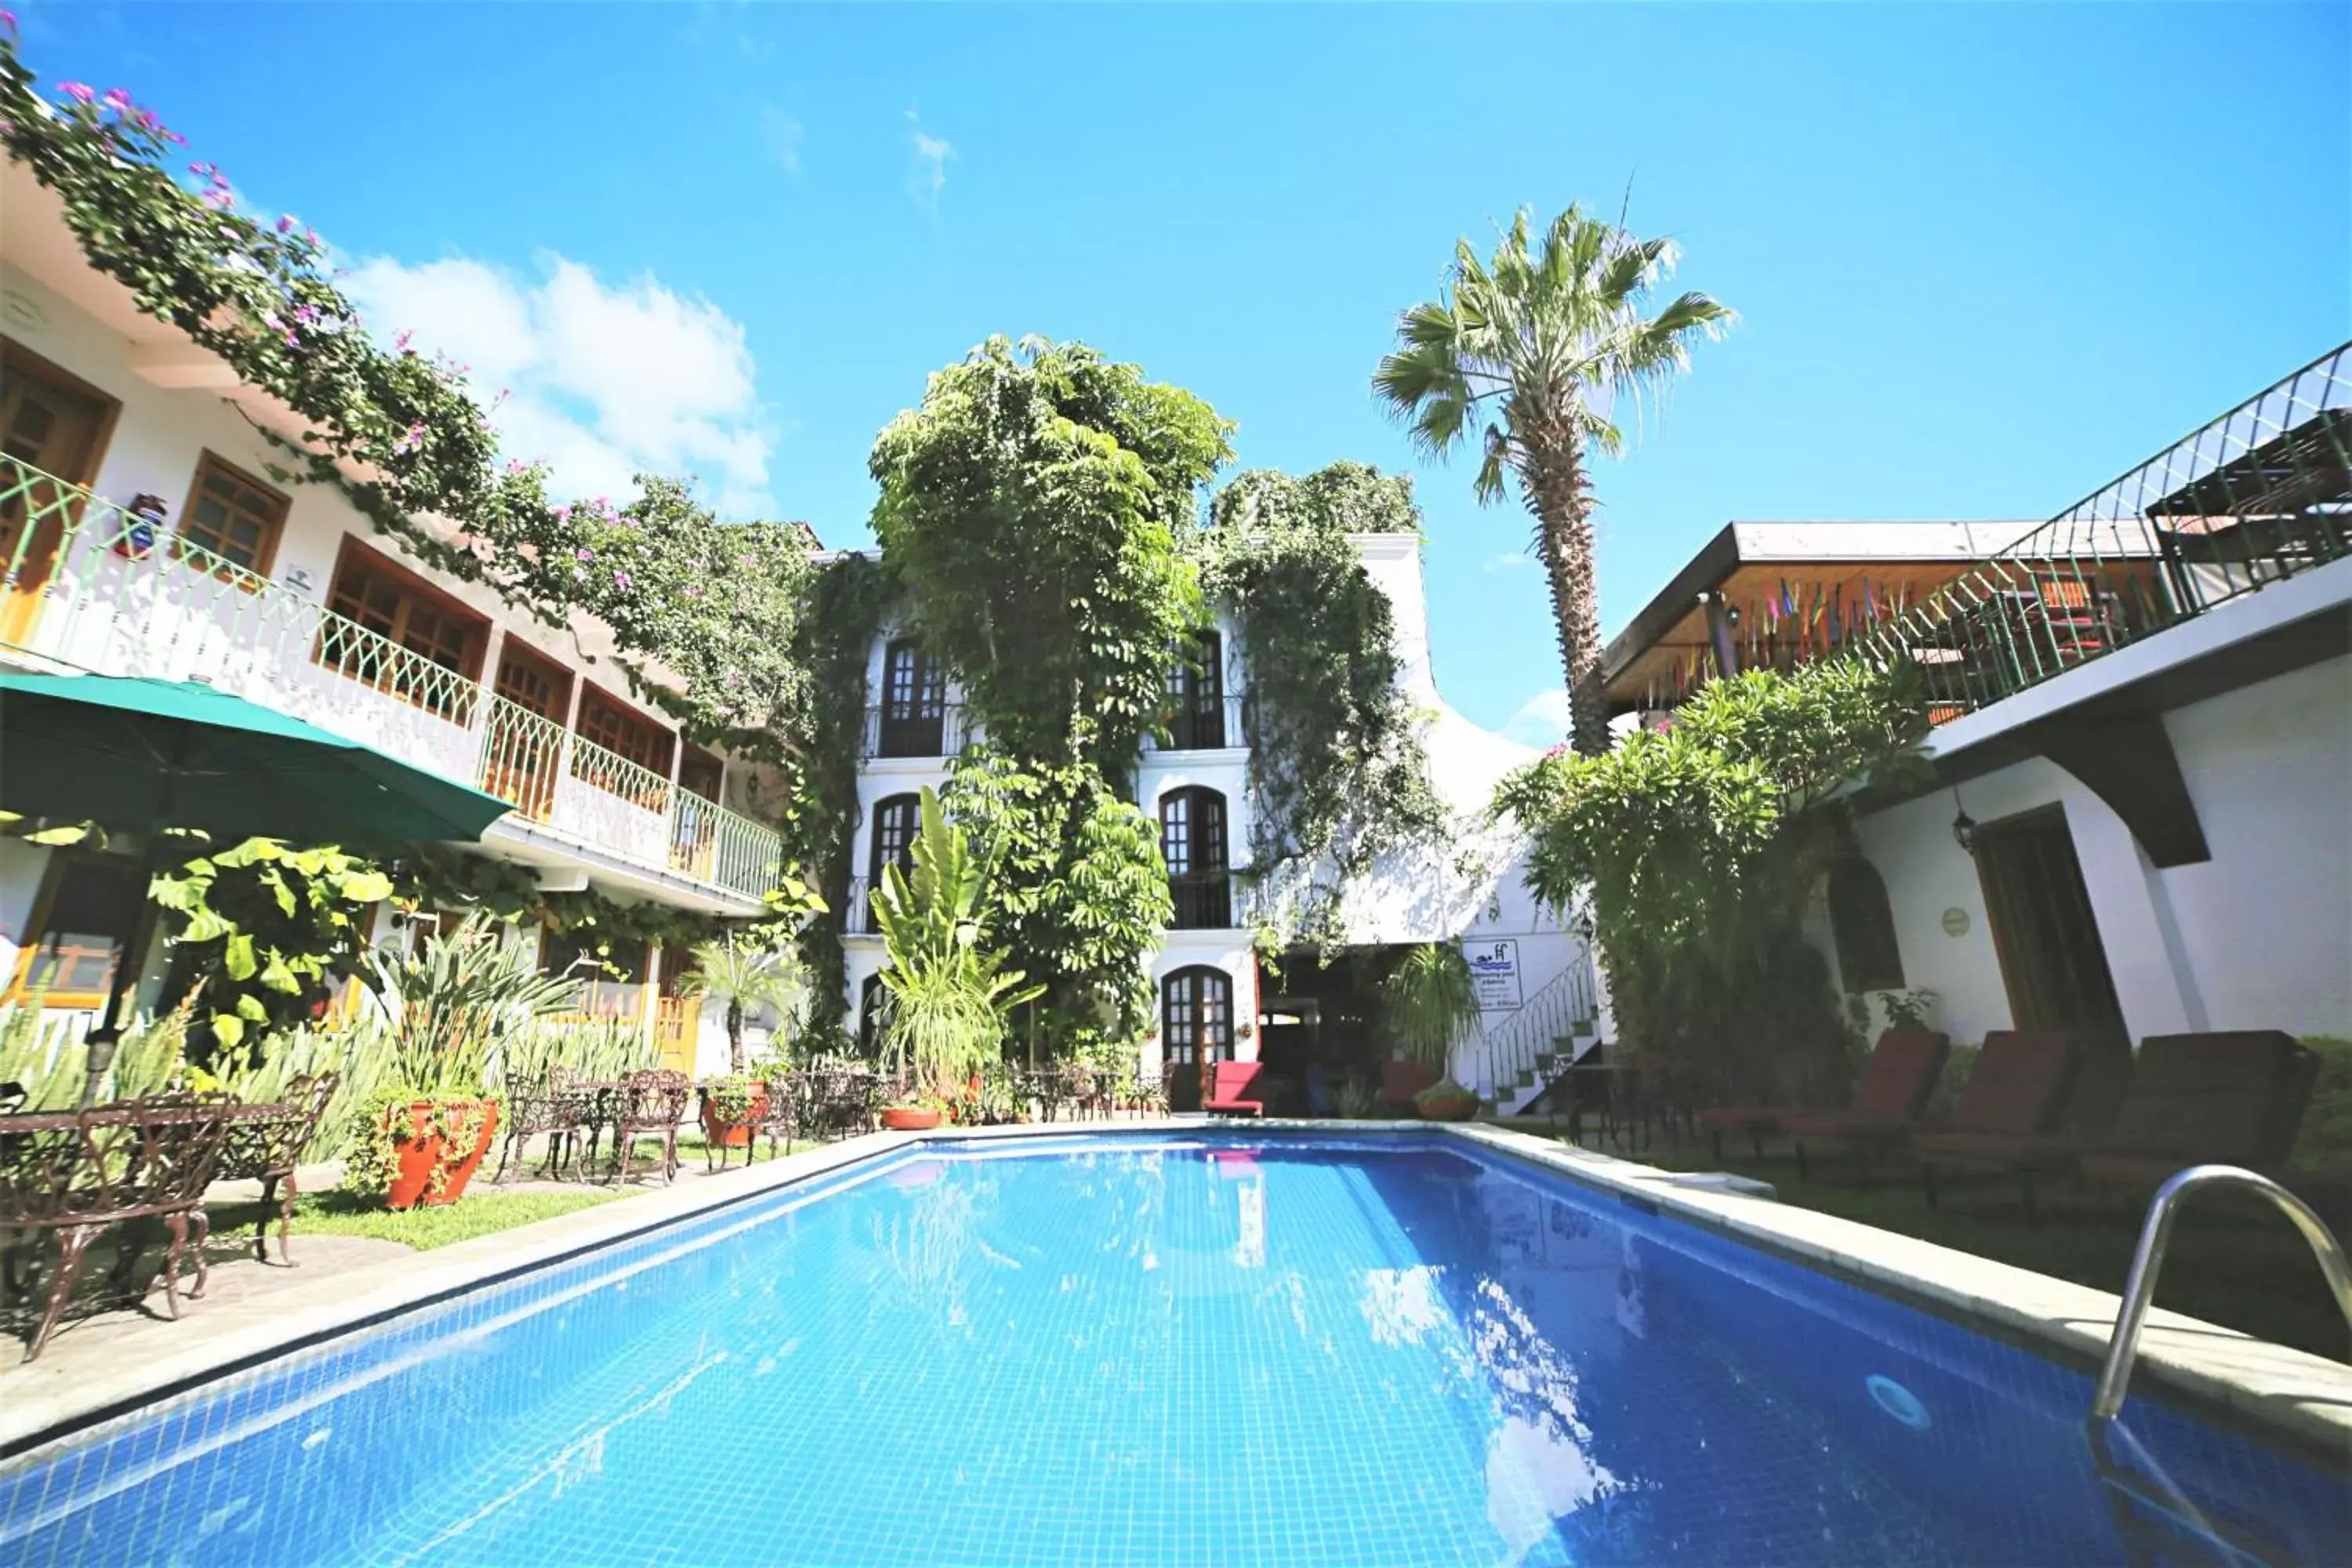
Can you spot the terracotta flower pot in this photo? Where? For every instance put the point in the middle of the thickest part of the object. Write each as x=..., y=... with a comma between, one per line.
x=737, y=1133
x=909, y=1118
x=1453, y=1108
x=425, y=1154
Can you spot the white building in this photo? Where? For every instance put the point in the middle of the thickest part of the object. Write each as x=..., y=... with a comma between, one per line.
x=2142, y=732
x=286, y=595
x=1217, y=1001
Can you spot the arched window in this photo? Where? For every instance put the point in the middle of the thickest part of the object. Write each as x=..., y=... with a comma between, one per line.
x=895, y=822
x=1864, y=927
x=1192, y=842
x=1196, y=692
x=914, y=702
x=1196, y=1016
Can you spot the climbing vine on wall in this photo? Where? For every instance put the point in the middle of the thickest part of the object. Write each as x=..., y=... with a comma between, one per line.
x=1034, y=507
x=1338, y=769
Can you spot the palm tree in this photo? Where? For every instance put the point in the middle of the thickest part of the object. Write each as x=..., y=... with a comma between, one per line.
x=1548, y=338
x=746, y=979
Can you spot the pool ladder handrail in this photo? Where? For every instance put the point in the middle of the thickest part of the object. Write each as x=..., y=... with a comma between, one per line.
x=2156, y=1236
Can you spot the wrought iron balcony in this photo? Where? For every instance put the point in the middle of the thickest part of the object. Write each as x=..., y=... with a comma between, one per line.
x=2258, y=496
x=83, y=584
x=1207, y=725
x=858, y=909
x=1203, y=901
x=934, y=730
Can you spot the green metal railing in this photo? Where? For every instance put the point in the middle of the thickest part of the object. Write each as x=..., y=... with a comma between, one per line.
x=2258, y=496
x=92, y=587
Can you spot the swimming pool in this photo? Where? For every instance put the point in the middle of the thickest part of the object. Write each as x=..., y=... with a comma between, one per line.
x=1203, y=1349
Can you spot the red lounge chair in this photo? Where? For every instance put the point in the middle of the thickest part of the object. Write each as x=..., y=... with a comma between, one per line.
x=2015, y=1089
x=1895, y=1083
x=2234, y=1098
x=1235, y=1091
x=1401, y=1080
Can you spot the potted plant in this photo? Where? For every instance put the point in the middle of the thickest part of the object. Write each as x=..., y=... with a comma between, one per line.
x=946, y=989
x=444, y=1012
x=733, y=1110
x=746, y=980
x=1427, y=1002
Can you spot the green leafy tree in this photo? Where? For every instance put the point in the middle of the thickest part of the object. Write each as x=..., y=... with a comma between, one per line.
x=1700, y=846
x=1032, y=507
x=266, y=929
x=1079, y=890
x=948, y=986
x=1527, y=354
x=745, y=979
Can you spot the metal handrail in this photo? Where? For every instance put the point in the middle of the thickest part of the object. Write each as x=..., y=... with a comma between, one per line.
x=2156, y=1236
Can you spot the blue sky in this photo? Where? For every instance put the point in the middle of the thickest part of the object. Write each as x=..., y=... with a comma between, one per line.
x=1985, y=256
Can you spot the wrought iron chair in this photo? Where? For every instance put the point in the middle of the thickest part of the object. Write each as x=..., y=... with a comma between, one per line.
x=80, y=1174
x=653, y=1101
x=265, y=1142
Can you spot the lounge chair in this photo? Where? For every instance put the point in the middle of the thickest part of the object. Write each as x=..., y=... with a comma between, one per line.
x=1894, y=1085
x=2016, y=1088
x=1235, y=1090
x=2232, y=1099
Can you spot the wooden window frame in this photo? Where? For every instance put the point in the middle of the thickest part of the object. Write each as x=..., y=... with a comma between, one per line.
x=36, y=929
x=589, y=692
x=522, y=652
x=353, y=551
x=1198, y=1048
x=875, y=864
x=250, y=578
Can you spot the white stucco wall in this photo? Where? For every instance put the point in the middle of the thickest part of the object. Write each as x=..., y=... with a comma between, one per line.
x=2260, y=936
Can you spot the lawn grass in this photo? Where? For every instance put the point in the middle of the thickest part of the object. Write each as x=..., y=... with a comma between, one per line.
x=2233, y=1260
x=483, y=1211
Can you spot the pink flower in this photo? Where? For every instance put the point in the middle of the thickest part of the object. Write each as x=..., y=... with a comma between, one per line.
x=515, y=466
x=307, y=314
x=584, y=553
x=220, y=197
x=79, y=92
x=621, y=581
x=201, y=169
x=166, y=132
x=291, y=341
x=8, y=20
x=400, y=338
x=116, y=99
x=410, y=440
x=310, y=238
x=562, y=514
x=285, y=221
x=751, y=561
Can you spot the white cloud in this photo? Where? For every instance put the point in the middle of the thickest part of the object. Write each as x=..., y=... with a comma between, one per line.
x=930, y=175
x=1542, y=719
x=782, y=135
x=603, y=381
x=1511, y=561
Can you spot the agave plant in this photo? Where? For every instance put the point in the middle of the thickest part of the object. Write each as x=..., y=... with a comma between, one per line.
x=449, y=1007
x=948, y=989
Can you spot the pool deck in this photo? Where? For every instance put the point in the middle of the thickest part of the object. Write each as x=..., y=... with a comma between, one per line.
x=2300, y=1398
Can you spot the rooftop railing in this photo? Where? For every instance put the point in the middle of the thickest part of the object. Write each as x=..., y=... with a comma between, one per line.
x=2258, y=496
x=86, y=585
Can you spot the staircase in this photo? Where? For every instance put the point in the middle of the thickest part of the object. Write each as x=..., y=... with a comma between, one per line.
x=1522, y=1056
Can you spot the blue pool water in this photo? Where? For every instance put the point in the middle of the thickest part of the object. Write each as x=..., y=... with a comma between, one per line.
x=1165, y=1350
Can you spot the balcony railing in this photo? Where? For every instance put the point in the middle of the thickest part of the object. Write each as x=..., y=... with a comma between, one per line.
x=1203, y=726
x=1203, y=901
x=2258, y=496
x=83, y=586
x=895, y=733
x=858, y=909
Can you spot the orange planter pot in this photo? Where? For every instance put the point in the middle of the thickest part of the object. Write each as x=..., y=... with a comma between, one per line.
x=1458, y=1108
x=908, y=1119
x=725, y=1134
x=424, y=1152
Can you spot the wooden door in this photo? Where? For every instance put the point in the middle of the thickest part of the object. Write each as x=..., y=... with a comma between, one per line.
x=2052, y=962
x=47, y=425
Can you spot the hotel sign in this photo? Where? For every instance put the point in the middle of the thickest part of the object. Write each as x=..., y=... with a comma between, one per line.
x=1494, y=974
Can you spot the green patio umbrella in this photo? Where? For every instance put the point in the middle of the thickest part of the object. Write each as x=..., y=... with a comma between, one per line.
x=127, y=753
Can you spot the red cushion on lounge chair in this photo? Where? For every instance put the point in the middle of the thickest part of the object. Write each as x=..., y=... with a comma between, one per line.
x=1234, y=1090
x=2230, y=1098
x=2019, y=1078
x=1900, y=1074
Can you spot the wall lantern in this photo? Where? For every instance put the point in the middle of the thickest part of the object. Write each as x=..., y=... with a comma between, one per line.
x=1964, y=826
